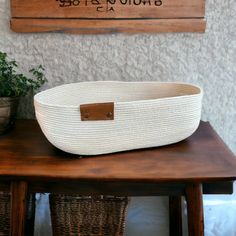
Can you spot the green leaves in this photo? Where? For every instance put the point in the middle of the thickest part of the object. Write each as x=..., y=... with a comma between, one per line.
x=14, y=84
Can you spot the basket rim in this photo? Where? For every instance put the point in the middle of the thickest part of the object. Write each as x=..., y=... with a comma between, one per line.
x=46, y=104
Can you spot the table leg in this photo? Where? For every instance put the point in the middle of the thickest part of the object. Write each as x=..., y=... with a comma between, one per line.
x=18, y=207
x=175, y=216
x=195, y=209
x=30, y=218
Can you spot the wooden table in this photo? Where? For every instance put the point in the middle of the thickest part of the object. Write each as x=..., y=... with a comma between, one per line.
x=199, y=164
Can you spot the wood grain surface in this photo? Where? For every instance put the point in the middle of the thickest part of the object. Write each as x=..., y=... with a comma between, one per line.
x=122, y=188
x=26, y=154
x=108, y=16
x=195, y=209
x=175, y=216
x=77, y=26
x=108, y=8
x=19, y=192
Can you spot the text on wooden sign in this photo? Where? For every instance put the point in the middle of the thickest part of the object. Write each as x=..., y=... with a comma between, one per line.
x=109, y=4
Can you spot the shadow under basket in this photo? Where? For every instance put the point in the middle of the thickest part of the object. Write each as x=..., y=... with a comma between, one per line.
x=76, y=215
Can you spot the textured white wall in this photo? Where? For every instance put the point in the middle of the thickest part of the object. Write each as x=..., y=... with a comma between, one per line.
x=206, y=59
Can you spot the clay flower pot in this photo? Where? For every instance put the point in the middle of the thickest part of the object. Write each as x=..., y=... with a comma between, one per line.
x=8, y=109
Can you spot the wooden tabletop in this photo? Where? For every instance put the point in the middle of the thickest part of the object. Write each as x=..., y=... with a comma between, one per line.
x=26, y=154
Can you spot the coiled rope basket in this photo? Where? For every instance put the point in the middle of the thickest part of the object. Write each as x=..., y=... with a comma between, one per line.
x=90, y=118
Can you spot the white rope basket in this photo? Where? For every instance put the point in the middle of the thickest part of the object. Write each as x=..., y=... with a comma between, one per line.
x=145, y=114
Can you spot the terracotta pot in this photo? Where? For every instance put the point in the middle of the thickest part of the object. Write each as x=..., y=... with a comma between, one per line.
x=8, y=109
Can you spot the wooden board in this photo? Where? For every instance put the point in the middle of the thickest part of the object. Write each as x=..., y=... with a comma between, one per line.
x=107, y=26
x=108, y=16
x=107, y=8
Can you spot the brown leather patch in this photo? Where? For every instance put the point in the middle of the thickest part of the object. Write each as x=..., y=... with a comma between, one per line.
x=97, y=111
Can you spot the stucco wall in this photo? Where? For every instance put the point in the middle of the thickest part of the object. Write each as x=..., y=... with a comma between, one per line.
x=206, y=59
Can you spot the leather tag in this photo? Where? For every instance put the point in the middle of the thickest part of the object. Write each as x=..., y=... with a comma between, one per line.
x=97, y=111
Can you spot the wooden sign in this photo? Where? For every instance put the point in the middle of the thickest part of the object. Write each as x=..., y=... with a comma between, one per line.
x=108, y=16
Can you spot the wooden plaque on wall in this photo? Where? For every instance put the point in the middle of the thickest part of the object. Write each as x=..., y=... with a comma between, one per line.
x=108, y=16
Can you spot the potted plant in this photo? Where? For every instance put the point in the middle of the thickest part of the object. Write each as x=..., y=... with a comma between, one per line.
x=14, y=85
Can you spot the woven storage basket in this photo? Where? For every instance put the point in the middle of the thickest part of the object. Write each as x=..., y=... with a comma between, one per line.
x=90, y=118
x=4, y=214
x=5, y=198
x=87, y=216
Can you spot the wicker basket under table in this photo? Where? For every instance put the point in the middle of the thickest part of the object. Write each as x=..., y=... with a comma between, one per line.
x=4, y=214
x=5, y=198
x=74, y=215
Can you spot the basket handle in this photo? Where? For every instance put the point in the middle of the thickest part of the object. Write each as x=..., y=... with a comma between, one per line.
x=97, y=111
